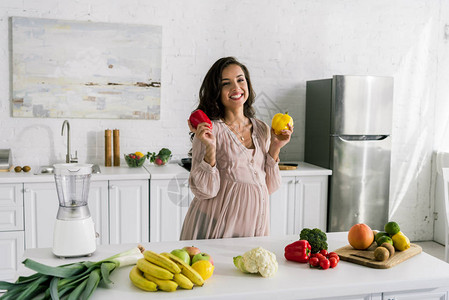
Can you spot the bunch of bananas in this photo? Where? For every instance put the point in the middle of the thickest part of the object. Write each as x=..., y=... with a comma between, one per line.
x=164, y=272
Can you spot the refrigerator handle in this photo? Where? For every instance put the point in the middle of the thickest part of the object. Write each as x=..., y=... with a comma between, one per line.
x=344, y=137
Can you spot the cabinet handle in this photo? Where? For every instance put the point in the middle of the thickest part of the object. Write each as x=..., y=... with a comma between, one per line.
x=27, y=190
x=297, y=181
x=113, y=187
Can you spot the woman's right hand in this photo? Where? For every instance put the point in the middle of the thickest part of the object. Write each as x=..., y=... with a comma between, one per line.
x=203, y=133
x=207, y=138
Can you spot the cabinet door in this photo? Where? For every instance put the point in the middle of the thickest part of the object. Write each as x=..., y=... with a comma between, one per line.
x=311, y=202
x=11, y=249
x=170, y=200
x=11, y=207
x=98, y=207
x=41, y=206
x=128, y=211
x=282, y=208
x=436, y=294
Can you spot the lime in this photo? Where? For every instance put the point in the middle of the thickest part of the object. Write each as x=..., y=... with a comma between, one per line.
x=392, y=228
x=384, y=239
x=379, y=235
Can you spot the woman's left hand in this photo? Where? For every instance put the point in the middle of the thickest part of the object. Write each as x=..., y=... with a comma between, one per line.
x=279, y=141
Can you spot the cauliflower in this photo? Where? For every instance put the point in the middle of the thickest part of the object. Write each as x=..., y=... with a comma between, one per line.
x=257, y=260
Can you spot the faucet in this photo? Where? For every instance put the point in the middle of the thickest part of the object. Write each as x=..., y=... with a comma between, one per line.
x=68, y=156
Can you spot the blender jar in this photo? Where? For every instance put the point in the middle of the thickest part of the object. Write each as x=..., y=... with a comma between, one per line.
x=72, y=185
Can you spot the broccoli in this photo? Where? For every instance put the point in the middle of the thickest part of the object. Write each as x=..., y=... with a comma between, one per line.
x=316, y=238
x=164, y=154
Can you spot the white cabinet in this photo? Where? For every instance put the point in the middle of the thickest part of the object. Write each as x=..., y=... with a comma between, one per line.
x=377, y=296
x=41, y=208
x=128, y=211
x=119, y=209
x=300, y=202
x=11, y=229
x=429, y=294
x=11, y=249
x=99, y=209
x=170, y=200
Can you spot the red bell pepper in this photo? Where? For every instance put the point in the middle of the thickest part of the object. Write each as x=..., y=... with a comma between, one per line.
x=197, y=117
x=298, y=251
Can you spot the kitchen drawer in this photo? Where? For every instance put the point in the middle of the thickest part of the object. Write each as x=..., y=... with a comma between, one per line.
x=11, y=207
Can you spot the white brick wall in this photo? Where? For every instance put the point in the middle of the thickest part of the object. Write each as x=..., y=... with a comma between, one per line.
x=284, y=43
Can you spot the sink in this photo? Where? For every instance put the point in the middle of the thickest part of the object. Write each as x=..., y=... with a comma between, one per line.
x=96, y=169
x=45, y=170
x=49, y=170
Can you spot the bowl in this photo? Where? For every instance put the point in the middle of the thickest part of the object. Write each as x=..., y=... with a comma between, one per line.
x=161, y=161
x=134, y=161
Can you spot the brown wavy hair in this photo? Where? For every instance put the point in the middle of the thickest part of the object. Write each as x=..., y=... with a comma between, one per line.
x=210, y=90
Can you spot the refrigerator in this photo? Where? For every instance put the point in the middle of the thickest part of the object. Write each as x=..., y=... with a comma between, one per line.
x=348, y=130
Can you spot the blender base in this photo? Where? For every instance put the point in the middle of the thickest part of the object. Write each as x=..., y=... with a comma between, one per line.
x=74, y=238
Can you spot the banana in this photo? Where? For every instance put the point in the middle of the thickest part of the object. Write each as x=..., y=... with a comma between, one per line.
x=183, y=281
x=156, y=271
x=141, y=282
x=162, y=284
x=161, y=261
x=187, y=270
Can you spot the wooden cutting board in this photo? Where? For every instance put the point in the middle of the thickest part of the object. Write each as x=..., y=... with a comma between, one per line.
x=287, y=167
x=7, y=170
x=366, y=257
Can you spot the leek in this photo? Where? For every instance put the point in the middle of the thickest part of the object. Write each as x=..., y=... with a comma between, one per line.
x=77, y=280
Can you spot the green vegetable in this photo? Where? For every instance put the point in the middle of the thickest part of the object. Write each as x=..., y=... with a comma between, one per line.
x=77, y=280
x=316, y=238
x=164, y=154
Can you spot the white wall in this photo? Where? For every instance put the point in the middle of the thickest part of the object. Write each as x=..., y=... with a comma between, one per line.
x=284, y=43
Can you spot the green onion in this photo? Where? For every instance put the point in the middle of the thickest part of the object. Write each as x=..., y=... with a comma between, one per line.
x=78, y=280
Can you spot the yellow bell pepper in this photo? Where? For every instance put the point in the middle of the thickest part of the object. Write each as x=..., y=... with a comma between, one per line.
x=280, y=122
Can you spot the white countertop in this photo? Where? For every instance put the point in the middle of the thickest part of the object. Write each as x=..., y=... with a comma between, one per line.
x=293, y=280
x=146, y=172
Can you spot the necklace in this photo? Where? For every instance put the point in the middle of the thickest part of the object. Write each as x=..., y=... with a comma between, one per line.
x=235, y=130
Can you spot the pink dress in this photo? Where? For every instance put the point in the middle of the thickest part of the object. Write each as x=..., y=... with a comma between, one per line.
x=231, y=198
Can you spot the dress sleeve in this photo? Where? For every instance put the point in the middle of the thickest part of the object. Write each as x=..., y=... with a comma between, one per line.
x=273, y=175
x=204, y=180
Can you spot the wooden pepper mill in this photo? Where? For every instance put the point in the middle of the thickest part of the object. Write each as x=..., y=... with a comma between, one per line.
x=107, y=148
x=116, y=141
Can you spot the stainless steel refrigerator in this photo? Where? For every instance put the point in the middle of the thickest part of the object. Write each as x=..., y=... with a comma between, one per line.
x=348, y=130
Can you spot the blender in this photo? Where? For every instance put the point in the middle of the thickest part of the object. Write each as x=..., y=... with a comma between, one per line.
x=74, y=232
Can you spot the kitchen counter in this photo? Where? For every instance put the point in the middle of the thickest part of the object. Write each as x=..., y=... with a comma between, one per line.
x=146, y=172
x=292, y=281
x=107, y=173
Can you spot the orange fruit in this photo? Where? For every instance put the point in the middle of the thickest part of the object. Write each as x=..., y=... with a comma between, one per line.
x=360, y=236
x=204, y=267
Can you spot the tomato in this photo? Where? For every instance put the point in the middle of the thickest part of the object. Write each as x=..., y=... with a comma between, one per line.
x=322, y=257
x=333, y=262
x=332, y=253
x=335, y=255
x=324, y=252
x=324, y=264
x=319, y=255
x=314, y=262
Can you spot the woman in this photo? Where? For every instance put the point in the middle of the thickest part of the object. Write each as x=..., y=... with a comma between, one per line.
x=234, y=164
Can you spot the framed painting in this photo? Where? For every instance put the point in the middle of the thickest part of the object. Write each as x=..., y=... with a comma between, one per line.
x=80, y=69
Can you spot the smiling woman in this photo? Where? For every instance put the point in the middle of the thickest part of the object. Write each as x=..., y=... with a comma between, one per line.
x=234, y=162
